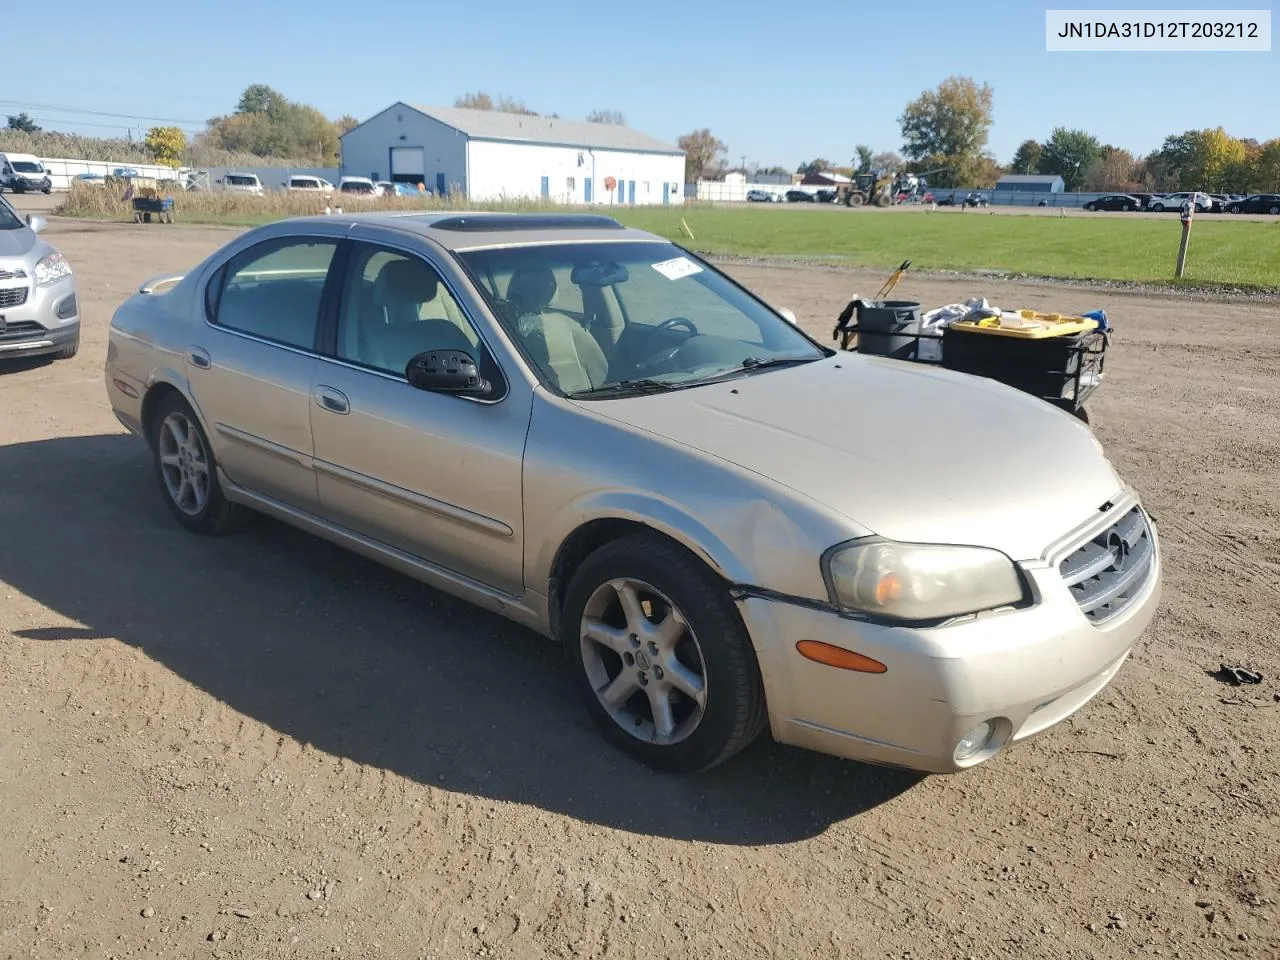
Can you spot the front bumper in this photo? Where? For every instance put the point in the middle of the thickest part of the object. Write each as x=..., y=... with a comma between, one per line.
x=1026, y=670
x=37, y=320
x=30, y=186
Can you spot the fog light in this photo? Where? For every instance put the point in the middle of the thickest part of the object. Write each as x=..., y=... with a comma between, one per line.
x=976, y=741
x=67, y=308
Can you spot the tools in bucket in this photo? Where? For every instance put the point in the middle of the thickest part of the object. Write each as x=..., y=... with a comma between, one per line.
x=851, y=318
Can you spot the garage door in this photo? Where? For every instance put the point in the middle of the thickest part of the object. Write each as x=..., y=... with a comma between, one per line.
x=408, y=164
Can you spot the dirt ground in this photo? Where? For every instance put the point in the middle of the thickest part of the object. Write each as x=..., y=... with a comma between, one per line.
x=266, y=747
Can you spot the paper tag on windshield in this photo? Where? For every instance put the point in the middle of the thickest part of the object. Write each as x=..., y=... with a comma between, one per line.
x=677, y=268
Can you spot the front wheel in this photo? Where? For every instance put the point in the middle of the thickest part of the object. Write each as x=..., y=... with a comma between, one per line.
x=1157, y=207
x=188, y=472
x=661, y=656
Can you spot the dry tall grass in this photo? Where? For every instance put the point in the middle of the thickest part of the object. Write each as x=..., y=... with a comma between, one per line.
x=108, y=202
x=72, y=146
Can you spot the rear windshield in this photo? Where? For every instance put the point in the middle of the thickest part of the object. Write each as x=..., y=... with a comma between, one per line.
x=26, y=166
x=242, y=181
x=9, y=219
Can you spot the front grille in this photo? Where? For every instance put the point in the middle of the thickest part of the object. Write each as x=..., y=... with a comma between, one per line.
x=13, y=297
x=1106, y=574
x=20, y=330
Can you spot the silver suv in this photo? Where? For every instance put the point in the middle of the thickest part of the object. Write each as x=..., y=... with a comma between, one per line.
x=39, y=312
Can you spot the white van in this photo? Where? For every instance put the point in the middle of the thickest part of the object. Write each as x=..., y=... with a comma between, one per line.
x=308, y=184
x=242, y=183
x=23, y=173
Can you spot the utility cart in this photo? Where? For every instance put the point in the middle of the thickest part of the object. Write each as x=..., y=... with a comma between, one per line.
x=144, y=196
x=1057, y=358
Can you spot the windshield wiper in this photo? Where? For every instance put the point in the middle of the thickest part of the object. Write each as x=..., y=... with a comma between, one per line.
x=623, y=387
x=764, y=363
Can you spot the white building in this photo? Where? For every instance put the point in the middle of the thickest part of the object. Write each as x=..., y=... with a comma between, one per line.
x=488, y=155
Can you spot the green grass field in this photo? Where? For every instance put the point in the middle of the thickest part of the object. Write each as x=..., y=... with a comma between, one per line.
x=1222, y=251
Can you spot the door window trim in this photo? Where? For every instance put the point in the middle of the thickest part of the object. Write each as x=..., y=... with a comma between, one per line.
x=218, y=279
x=327, y=331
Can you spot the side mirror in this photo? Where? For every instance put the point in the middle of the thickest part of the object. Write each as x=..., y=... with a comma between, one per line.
x=36, y=223
x=446, y=371
x=787, y=315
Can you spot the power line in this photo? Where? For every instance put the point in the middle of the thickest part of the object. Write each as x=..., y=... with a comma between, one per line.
x=97, y=113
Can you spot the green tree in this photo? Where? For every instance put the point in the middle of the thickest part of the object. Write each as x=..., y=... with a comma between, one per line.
x=22, y=123
x=260, y=98
x=166, y=145
x=1266, y=168
x=948, y=125
x=865, y=158
x=1026, y=159
x=887, y=160
x=813, y=167
x=703, y=154
x=1068, y=153
x=268, y=124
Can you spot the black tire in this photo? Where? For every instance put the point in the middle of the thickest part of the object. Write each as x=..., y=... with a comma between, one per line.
x=735, y=712
x=69, y=351
x=1273, y=210
x=1128, y=208
x=47, y=190
x=1157, y=208
x=219, y=515
x=1091, y=206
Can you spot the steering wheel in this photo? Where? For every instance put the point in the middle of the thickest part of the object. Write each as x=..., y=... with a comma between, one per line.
x=671, y=324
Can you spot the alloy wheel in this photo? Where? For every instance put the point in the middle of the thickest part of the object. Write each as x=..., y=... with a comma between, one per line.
x=184, y=464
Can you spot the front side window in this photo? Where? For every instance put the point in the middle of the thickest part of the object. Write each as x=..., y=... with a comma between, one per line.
x=9, y=219
x=395, y=306
x=594, y=318
x=273, y=290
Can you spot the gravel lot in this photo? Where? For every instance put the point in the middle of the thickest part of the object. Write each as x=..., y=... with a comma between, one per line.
x=265, y=747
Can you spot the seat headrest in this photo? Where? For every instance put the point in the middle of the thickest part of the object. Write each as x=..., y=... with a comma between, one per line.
x=531, y=289
x=405, y=281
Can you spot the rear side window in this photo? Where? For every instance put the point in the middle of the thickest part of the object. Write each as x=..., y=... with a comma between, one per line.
x=273, y=290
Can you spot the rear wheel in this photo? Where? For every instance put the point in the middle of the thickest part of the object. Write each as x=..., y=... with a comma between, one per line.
x=188, y=472
x=1273, y=210
x=661, y=656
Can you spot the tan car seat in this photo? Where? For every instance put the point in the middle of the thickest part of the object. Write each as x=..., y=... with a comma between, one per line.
x=558, y=344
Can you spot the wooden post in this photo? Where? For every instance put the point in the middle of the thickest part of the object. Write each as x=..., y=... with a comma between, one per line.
x=687, y=230
x=1188, y=213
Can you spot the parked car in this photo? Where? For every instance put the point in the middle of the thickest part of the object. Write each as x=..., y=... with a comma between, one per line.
x=39, y=311
x=242, y=183
x=975, y=200
x=359, y=186
x=1174, y=202
x=91, y=179
x=799, y=196
x=410, y=190
x=683, y=503
x=309, y=184
x=1257, y=203
x=23, y=173
x=824, y=196
x=761, y=196
x=1115, y=201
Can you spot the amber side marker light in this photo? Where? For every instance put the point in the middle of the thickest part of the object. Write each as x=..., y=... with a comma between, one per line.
x=834, y=656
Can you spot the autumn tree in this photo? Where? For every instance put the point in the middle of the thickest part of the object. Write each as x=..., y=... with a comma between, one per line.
x=22, y=123
x=813, y=167
x=887, y=160
x=345, y=123
x=865, y=158
x=1026, y=159
x=948, y=127
x=606, y=116
x=166, y=145
x=1113, y=170
x=269, y=124
x=474, y=101
x=703, y=154
x=1068, y=153
x=1266, y=175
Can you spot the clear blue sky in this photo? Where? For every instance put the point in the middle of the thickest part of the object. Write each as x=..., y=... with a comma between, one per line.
x=778, y=83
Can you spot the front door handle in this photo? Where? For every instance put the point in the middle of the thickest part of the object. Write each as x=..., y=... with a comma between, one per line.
x=199, y=357
x=335, y=401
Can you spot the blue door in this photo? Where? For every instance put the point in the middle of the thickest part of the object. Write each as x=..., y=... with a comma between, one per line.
x=440, y=184
x=631, y=192
x=546, y=188
x=586, y=189
x=666, y=194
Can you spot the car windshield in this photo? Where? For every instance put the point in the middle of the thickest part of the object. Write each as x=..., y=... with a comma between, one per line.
x=26, y=166
x=9, y=219
x=242, y=181
x=604, y=319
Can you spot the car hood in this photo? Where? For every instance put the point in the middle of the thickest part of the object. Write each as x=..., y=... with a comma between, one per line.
x=17, y=243
x=910, y=452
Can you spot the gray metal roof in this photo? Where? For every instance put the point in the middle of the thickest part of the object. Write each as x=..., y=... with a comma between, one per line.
x=495, y=125
x=1029, y=177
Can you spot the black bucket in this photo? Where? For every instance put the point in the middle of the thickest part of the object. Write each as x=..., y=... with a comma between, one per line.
x=889, y=328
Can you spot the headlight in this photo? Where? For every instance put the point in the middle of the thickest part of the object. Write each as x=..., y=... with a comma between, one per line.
x=52, y=268
x=910, y=581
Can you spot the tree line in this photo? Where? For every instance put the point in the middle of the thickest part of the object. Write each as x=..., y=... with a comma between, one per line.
x=945, y=133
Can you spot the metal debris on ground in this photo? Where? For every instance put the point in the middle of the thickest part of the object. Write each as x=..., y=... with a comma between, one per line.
x=1236, y=675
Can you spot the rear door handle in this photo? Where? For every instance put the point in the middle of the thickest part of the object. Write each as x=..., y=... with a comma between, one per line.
x=199, y=357
x=335, y=401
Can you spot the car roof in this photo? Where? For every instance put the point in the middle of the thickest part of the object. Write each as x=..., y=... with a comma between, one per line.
x=460, y=230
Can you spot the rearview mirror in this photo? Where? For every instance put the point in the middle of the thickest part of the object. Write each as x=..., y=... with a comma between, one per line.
x=446, y=371
x=36, y=223
x=598, y=274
